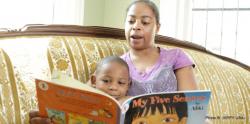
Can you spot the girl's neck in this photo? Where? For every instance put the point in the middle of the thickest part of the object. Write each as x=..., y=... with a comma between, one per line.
x=145, y=53
x=144, y=59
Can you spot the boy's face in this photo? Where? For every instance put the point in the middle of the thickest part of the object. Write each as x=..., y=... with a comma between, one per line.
x=112, y=78
x=160, y=118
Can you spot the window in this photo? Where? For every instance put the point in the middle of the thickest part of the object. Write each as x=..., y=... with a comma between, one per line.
x=219, y=25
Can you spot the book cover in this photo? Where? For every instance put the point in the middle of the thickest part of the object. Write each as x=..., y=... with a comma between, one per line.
x=68, y=101
x=183, y=107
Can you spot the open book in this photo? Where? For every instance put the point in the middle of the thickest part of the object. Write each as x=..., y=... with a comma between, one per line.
x=68, y=101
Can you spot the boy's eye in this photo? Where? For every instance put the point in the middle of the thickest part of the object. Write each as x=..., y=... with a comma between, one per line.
x=105, y=80
x=122, y=82
x=142, y=122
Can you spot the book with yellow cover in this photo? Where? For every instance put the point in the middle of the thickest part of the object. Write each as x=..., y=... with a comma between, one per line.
x=68, y=101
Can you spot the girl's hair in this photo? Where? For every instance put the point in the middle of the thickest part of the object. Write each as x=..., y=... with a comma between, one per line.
x=150, y=4
x=110, y=59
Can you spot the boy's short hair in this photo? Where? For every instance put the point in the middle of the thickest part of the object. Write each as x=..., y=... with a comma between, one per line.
x=110, y=59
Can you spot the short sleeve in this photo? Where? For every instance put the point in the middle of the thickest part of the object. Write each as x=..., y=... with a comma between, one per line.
x=183, y=60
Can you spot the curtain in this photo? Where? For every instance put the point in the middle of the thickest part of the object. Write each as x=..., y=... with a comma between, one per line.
x=176, y=18
x=17, y=13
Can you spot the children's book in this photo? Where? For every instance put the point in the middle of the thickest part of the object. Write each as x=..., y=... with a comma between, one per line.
x=68, y=101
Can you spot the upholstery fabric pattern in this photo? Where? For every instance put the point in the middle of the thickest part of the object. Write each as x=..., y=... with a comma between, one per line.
x=23, y=60
x=226, y=81
x=15, y=99
x=229, y=98
x=78, y=56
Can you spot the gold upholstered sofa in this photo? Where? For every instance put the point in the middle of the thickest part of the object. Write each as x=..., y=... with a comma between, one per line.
x=35, y=51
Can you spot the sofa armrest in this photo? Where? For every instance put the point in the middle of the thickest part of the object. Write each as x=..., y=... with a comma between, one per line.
x=16, y=100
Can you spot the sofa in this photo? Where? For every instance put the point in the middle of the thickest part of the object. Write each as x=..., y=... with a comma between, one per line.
x=34, y=51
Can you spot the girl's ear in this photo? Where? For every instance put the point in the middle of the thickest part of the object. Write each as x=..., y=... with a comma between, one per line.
x=158, y=28
x=93, y=80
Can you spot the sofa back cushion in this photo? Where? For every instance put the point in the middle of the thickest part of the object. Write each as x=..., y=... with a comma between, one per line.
x=76, y=50
x=78, y=56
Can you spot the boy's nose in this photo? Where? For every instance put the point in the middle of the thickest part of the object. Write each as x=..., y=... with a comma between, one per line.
x=113, y=86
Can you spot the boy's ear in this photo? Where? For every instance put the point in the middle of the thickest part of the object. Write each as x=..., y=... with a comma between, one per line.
x=130, y=82
x=93, y=80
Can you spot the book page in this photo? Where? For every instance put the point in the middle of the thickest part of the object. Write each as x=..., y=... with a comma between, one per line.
x=62, y=79
x=65, y=103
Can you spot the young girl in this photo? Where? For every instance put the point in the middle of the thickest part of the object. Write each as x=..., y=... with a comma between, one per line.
x=152, y=68
x=111, y=76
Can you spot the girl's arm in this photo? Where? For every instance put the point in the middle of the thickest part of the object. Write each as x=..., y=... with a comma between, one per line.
x=185, y=78
x=36, y=119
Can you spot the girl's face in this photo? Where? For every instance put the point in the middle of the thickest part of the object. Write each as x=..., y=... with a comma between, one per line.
x=160, y=118
x=141, y=26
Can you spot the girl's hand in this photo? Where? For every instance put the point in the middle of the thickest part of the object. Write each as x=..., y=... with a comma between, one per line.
x=36, y=119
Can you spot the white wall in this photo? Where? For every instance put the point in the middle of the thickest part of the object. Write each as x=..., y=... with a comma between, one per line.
x=115, y=13
x=94, y=12
x=107, y=13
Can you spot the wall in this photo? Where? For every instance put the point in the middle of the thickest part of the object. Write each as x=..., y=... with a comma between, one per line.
x=94, y=12
x=107, y=13
x=115, y=13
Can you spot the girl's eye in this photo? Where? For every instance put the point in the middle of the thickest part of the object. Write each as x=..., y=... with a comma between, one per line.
x=167, y=120
x=131, y=22
x=145, y=23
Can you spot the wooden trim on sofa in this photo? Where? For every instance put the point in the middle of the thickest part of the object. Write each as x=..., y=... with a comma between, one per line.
x=66, y=30
x=97, y=31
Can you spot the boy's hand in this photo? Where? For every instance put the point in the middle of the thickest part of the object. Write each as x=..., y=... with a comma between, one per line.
x=123, y=99
x=36, y=119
